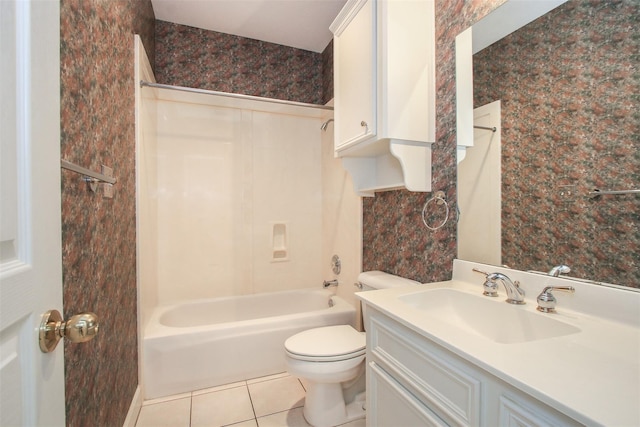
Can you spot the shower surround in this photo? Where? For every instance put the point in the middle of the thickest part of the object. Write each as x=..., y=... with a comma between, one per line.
x=234, y=187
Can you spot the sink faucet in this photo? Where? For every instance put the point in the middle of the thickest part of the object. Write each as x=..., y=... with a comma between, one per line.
x=515, y=294
x=327, y=283
x=559, y=269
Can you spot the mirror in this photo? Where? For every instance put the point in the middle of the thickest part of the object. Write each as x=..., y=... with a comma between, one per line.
x=567, y=122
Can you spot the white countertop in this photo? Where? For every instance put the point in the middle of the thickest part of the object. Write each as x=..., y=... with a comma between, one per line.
x=592, y=376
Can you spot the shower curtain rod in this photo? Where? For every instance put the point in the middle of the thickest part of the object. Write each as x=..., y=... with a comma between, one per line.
x=233, y=95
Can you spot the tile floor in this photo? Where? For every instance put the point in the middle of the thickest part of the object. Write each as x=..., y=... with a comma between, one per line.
x=274, y=401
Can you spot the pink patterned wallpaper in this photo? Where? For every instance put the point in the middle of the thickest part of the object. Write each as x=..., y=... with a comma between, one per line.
x=569, y=85
x=99, y=235
x=327, y=73
x=192, y=57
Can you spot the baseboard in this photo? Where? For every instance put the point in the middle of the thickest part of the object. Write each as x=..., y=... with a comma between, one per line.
x=134, y=409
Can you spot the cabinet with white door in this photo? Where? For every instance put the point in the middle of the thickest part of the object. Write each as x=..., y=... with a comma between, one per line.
x=384, y=86
x=411, y=380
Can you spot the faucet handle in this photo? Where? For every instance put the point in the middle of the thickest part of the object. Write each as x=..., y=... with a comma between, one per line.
x=480, y=271
x=546, y=300
x=490, y=286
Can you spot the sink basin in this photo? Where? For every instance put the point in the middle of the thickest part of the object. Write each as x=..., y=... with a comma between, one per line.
x=490, y=318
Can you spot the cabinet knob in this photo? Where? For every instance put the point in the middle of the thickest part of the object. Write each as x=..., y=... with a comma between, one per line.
x=365, y=126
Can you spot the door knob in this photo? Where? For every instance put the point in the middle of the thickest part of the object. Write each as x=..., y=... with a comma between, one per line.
x=79, y=328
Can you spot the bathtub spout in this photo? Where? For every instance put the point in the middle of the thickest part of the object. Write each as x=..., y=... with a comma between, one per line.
x=328, y=283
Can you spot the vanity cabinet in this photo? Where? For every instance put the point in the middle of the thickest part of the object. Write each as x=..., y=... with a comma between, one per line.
x=411, y=380
x=384, y=87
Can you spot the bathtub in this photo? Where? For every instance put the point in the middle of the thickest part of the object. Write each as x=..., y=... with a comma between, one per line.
x=205, y=343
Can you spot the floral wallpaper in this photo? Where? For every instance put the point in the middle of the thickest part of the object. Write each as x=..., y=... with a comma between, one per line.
x=192, y=57
x=327, y=73
x=569, y=85
x=99, y=235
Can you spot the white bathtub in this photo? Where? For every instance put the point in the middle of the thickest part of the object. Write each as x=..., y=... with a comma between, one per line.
x=205, y=343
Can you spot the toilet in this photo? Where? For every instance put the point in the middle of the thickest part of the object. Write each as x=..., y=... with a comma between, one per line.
x=331, y=362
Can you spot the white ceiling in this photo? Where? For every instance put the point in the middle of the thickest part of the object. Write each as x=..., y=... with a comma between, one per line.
x=303, y=24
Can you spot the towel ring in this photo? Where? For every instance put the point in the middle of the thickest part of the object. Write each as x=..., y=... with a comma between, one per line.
x=439, y=199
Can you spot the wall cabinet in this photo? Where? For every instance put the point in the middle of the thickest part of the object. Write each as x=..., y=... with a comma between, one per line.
x=416, y=381
x=384, y=86
x=354, y=52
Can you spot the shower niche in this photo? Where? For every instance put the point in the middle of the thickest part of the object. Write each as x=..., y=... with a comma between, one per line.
x=279, y=247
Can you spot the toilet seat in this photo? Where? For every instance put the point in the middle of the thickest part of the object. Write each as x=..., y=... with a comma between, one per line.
x=326, y=344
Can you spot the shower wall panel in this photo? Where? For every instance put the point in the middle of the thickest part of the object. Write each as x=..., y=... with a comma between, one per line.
x=287, y=188
x=199, y=151
x=146, y=185
x=225, y=176
x=341, y=220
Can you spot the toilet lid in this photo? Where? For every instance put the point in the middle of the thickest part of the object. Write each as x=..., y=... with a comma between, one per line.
x=327, y=342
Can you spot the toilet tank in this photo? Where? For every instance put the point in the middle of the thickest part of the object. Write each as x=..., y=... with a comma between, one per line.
x=372, y=280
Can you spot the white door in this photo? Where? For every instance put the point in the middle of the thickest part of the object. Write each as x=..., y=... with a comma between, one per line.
x=31, y=382
x=480, y=190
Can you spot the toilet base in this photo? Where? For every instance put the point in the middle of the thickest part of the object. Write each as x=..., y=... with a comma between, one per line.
x=324, y=405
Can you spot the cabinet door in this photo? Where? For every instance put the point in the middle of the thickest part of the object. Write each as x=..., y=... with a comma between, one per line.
x=518, y=410
x=354, y=77
x=390, y=404
x=440, y=380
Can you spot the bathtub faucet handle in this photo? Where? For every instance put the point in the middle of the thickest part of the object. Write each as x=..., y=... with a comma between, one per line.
x=328, y=283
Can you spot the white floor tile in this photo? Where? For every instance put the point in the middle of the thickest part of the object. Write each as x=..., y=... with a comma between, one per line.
x=268, y=378
x=221, y=407
x=357, y=423
x=175, y=413
x=219, y=388
x=250, y=423
x=276, y=400
x=290, y=418
x=167, y=398
x=277, y=395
